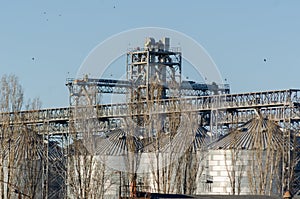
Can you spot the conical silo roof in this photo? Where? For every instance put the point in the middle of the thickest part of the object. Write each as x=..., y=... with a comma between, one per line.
x=201, y=138
x=258, y=133
x=179, y=142
x=116, y=142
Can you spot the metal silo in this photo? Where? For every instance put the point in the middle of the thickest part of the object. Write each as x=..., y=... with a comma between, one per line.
x=247, y=160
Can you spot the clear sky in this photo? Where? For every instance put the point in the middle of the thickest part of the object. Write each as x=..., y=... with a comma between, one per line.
x=238, y=35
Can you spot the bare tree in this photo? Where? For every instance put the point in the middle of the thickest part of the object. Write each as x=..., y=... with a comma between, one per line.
x=11, y=100
x=178, y=156
x=235, y=168
x=235, y=165
x=295, y=160
x=265, y=157
x=88, y=178
x=31, y=147
x=187, y=170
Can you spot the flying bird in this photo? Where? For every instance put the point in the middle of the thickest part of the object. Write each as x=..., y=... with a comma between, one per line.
x=265, y=60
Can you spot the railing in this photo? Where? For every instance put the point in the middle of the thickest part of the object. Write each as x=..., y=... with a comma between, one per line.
x=188, y=88
x=166, y=106
x=203, y=103
x=153, y=49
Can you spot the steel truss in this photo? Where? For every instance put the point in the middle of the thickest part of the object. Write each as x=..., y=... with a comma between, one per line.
x=153, y=77
x=232, y=108
x=187, y=88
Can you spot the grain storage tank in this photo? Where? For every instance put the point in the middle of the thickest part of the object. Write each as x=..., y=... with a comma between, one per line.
x=247, y=160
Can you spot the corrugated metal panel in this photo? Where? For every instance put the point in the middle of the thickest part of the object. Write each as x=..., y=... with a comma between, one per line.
x=256, y=134
x=116, y=142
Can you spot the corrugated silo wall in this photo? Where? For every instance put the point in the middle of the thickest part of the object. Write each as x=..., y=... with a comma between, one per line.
x=239, y=172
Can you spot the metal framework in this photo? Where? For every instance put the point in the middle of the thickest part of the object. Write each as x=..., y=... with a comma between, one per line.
x=271, y=103
x=187, y=88
x=154, y=87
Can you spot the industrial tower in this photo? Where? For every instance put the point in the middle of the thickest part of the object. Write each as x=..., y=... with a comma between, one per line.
x=156, y=100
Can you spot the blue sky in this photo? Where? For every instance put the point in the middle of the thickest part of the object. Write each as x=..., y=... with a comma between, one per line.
x=238, y=35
